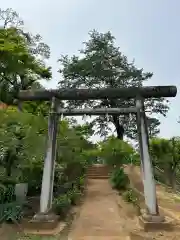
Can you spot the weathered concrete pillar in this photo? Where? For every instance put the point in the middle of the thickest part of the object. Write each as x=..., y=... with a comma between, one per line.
x=49, y=162
x=148, y=177
x=45, y=218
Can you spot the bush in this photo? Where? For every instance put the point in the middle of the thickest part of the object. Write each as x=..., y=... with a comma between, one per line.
x=119, y=179
x=80, y=182
x=74, y=170
x=7, y=194
x=74, y=195
x=10, y=210
x=116, y=152
x=130, y=196
x=62, y=205
x=8, y=181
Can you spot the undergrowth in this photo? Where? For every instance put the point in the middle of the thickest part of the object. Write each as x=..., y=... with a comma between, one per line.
x=132, y=197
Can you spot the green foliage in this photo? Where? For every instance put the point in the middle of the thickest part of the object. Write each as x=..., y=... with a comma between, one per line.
x=74, y=195
x=21, y=57
x=119, y=179
x=160, y=147
x=24, y=135
x=165, y=151
x=166, y=155
x=8, y=181
x=130, y=196
x=135, y=159
x=22, y=140
x=101, y=64
x=73, y=170
x=37, y=108
x=15, y=54
x=32, y=174
x=80, y=183
x=85, y=130
x=116, y=152
x=10, y=212
x=153, y=127
x=62, y=205
x=92, y=154
x=7, y=194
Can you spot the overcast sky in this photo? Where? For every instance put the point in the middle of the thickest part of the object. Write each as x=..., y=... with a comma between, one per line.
x=146, y=30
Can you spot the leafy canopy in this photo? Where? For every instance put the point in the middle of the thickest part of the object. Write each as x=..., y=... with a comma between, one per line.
x=21, y=57
x=101, y=64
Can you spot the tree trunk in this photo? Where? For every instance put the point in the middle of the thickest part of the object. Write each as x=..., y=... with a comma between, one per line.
x=171, y=177
x=8, y=171
x=119, y=128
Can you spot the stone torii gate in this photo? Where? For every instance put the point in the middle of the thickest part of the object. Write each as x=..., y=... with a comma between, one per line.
x=137, y=93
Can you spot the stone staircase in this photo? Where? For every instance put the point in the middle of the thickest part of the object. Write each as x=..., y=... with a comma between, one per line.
x=98, y=171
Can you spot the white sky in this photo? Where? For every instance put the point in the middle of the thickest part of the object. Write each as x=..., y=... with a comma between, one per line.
x=145, y=30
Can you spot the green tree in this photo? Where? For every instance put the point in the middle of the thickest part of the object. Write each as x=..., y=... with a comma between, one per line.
x=85, y=130
x=102, y=64
x=22, y=139
x=21, y=57
x=153, y=128
x=116, y=152
x=166, y=155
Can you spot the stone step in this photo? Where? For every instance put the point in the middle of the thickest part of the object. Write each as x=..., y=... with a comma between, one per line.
x=98, y=171
x=92, y=167
x=97, y=177
x=99, y=167
x=98, y=174
x=101, y=238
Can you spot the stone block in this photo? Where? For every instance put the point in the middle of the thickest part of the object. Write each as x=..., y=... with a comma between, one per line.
x=155, y=224
x=42, y=221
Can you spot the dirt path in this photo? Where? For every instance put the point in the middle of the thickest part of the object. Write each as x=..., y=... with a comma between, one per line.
x=99, y=215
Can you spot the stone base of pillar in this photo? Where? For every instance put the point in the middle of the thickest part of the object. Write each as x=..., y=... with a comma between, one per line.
x=155, y=222
x=151, y=218
x=43, y=222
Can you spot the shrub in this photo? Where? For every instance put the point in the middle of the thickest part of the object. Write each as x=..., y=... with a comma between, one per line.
x=131, y=196
x=116, y=152
x=80, y=182
x=62, y=205
x=74, y=195
x=119, y=179
x=7, y=194
x=10, y=212
x=8, y=181
x=74, y=170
